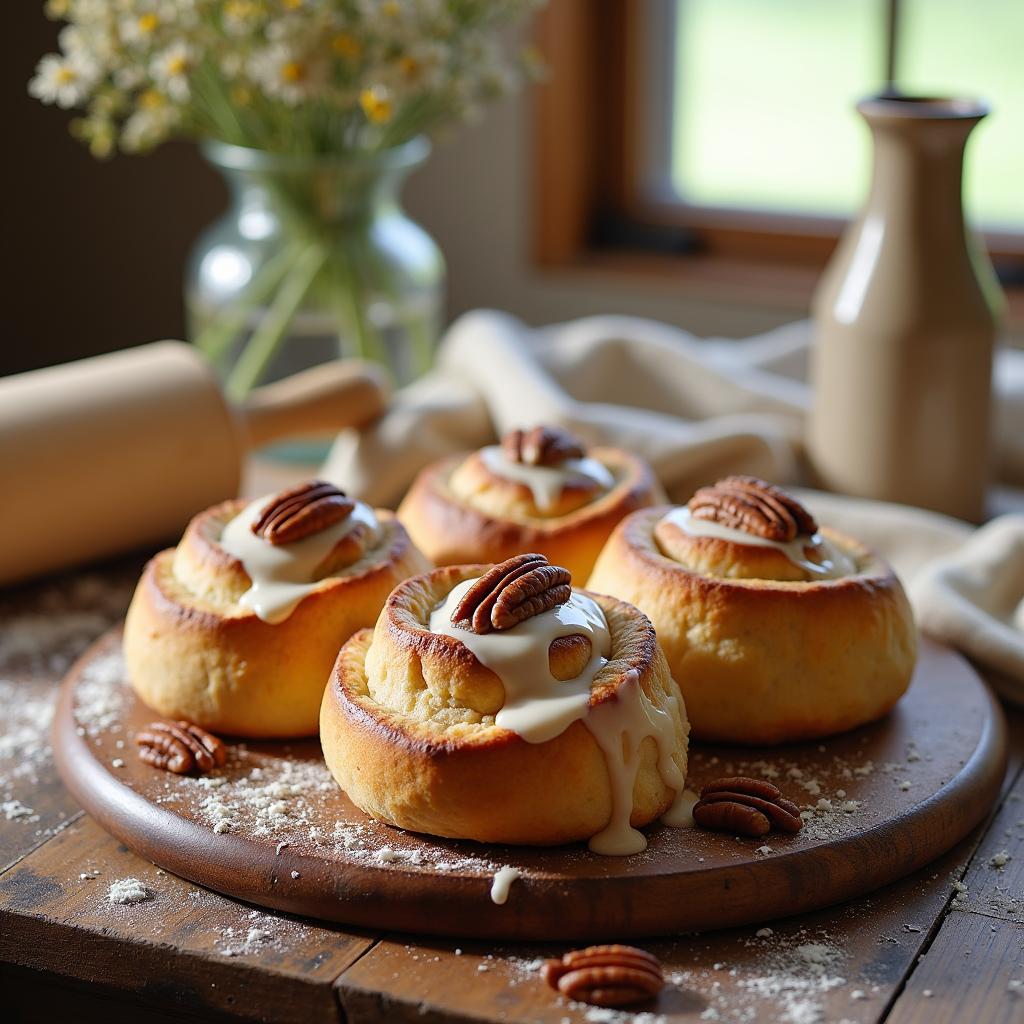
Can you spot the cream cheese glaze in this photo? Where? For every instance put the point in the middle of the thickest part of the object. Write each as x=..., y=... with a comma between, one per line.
x=826, y=560
x=546, y=482
x=539, y=707
x=282, y=574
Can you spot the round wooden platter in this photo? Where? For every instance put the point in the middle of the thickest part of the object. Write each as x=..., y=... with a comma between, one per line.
x=273, y=829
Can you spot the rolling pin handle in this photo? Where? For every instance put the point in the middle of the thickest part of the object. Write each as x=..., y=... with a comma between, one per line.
x=324, y=399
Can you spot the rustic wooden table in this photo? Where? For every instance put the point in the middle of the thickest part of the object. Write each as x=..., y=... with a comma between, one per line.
x=945, y=944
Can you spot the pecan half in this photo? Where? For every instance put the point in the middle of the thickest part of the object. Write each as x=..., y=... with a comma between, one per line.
x=301, y=512
x=180, y=747
x=511, y=592
x=744, y=806
x=753, y=506
x=541, y=446
x=606, y=975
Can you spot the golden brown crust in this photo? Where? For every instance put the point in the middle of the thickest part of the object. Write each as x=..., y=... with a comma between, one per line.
x=766, y=660
x=493, y=518
x=407, y=727
x=194, y=653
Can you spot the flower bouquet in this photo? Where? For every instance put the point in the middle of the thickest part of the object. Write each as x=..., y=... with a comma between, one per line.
x=314, y=110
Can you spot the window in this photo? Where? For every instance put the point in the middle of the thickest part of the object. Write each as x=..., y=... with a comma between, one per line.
x=726, y=128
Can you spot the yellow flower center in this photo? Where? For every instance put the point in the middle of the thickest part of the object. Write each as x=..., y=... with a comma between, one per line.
x=148, y=23
x=409, y=66
x=177, y=65
x=151, y=99
x=346, y=45
x=391, y=9
x=65, y=76
x=376, y=105
x=293, y=71
x=239, y=9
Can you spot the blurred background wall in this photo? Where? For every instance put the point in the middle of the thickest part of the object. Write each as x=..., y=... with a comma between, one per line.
x=98, y=249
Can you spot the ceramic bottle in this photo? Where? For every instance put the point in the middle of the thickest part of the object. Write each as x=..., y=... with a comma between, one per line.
x=905, y=320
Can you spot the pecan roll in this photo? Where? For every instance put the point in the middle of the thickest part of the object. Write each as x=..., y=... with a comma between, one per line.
x=180, y=747
x=541, y=446
x=746, y=807
x=302, y=511
x=753, y=506
x=511, y=592
x=606, y=975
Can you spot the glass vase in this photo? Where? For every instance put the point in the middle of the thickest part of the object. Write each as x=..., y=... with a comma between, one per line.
x=313, y=259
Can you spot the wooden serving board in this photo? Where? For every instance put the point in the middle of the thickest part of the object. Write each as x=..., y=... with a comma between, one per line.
x=273, y=829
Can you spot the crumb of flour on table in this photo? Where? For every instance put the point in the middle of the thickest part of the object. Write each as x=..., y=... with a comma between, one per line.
x=15, y=809
x=1000, y=860
x=127, y=891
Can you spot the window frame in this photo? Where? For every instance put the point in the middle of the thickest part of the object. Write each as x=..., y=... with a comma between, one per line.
x=593, y=205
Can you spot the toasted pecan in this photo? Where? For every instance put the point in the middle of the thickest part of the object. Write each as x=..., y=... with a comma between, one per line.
x=611, y=975
x=511, y=592
x=541, y=446
x=745, y=806
x=180, y=747
x=302, y=511
x=753, y=506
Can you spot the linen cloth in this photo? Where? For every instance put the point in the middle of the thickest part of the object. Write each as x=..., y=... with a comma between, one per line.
x=696, y=409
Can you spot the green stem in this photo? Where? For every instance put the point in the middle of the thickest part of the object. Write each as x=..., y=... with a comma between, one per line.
x=215, y=339
x=368, y=338
x=266, y=339
x=421, y=336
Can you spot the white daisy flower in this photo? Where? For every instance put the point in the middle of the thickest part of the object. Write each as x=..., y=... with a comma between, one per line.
x=420, y=68
x=61, y=80
x=286, y=74
x=140, y=27
x=170, y=69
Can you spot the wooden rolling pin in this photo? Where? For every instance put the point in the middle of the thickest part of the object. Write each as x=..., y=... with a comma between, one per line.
x=116, y=452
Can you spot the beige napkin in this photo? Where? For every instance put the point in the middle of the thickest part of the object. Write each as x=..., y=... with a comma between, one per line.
x=973, y=598
x=694, y=408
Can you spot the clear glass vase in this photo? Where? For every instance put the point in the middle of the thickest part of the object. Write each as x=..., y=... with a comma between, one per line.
x=314, y=259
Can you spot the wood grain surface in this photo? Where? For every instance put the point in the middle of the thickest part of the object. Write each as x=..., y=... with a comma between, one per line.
x=272, y=829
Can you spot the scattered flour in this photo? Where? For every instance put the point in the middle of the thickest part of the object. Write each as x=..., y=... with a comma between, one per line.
x=25, y=740
x=60, y=622
x=785, y=979
x=100, y=695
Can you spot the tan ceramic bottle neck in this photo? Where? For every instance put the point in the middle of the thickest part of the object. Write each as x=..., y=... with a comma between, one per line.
x=916, y=177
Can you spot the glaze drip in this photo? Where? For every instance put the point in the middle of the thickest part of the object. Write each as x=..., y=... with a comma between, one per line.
x=620, y=727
